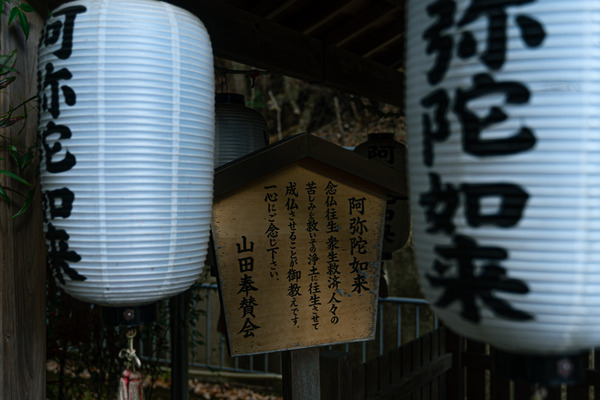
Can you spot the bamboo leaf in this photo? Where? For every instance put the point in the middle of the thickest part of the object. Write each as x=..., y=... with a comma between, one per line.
x=13, y=14
x=23, y=22
x=4, y=195
x=26, y=204
x=6, y=81
x=14, y=176
x=26, y=7
x=7, y=62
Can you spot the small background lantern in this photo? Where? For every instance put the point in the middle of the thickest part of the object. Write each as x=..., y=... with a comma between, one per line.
x=239, y=130
x=382, y=147
x=127, y=133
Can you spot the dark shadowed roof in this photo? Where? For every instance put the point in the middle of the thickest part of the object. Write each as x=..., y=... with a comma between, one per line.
x=356, y=46
x=353, y=45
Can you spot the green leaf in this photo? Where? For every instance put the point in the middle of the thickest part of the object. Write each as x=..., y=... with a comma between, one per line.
x=26, y=204
x=13, y=14
x=14, y=176
x=6, y=81
x=24, y=23
x=26, y=7
x=7, y=62
x=4, y=195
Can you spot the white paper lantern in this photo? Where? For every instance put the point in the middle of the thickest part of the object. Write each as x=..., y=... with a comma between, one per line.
x=127, y=133
x=239, y=130
x=503, y=108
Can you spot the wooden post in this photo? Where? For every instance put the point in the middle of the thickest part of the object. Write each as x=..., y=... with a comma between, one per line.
x=22, y=247
x=301, y=374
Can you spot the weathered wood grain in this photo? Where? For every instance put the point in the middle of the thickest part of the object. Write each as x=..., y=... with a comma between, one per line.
x=22, y=248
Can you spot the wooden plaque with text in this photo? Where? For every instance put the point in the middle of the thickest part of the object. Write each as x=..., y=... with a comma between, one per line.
x=298, y=253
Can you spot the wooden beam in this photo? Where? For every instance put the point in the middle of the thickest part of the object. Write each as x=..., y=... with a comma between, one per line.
x=246, y=38
x=22, y=247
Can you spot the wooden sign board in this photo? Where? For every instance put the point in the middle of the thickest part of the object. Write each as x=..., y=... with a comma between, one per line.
x=298, y=255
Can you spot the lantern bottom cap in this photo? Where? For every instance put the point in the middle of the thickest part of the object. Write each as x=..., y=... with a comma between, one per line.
x=547, y=370
x=129, y=316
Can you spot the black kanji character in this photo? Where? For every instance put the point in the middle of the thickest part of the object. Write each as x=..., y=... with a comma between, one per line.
x=473, y=126
x=52, y=79
x=333, y=282
x=291, y=206
x=468, y=286
x=532, y=31
x=330, y=202
x=63, y=207
x=272, y=231
x=243, y=247
x=311, y=225
x=59, y=255
x=311, y=187
x=357, y=265
x=440, y=100
x=331, y=189
x=247, y=285
x=511, y=205
x=437, y=42
x=248, y=328
x=294, y=290
x=247, y=306
x=358, y=226
x=359, y=284
x=358, y=245
x=246, y=264
x=332, y=243
x=290, y=189
x=68, y=160
x=357, y=204
x=53, y=31
x=294, y=275
x=440, y=204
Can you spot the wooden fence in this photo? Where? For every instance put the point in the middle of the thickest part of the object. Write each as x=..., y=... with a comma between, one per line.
x=440, y=366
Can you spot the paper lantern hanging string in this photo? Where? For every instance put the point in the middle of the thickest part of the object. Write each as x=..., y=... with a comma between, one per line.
x=130, y=384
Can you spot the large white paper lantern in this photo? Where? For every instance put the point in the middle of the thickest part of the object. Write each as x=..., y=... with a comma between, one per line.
x=127, y=134
x=239, y=130
x=503, y=109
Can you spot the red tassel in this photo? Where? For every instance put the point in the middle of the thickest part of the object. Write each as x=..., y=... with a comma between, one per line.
x=130, y=386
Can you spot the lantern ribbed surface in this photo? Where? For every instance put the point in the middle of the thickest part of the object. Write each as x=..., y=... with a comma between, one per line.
x=506, y=201
x=127, y=131
x=239, y=130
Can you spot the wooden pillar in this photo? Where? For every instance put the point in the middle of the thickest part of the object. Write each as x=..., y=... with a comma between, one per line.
x=301, y=374
x=22, y=247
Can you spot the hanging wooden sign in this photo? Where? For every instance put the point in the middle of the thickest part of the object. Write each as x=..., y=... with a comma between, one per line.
x=298, y=251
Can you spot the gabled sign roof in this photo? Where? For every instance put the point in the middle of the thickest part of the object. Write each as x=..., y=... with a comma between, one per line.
x=300, y=147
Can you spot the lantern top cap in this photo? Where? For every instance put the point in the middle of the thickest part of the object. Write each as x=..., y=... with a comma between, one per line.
x=229, y=98
x=303, y=146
